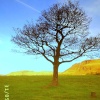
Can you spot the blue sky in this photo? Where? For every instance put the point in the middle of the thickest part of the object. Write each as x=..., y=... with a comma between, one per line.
x=16, y=13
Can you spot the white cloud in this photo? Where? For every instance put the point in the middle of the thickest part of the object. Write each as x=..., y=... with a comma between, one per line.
x=92, y=7
x=26, y=5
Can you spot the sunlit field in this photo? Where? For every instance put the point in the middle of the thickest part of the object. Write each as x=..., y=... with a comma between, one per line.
x=36, y=88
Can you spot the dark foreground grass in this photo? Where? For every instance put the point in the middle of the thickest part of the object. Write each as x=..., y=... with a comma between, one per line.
x=35, y=88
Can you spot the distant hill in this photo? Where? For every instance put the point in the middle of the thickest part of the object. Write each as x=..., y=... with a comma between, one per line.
x=84, y=68
x=28, y=73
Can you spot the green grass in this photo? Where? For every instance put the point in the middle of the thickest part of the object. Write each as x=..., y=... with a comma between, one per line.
x=34, y=87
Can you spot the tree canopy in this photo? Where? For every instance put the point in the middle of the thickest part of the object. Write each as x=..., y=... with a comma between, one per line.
x=60, y=35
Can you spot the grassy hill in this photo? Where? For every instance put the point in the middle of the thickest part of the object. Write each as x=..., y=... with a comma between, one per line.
x=35, y=87
x=84, y=68
x=28, y=73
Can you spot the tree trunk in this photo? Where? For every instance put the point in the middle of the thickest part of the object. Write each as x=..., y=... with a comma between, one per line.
x=55, y=75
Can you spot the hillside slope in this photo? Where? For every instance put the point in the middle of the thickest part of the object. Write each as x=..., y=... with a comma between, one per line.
x=28, y=73
x=84, y=68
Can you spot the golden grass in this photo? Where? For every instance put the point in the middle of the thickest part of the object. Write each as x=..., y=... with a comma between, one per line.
x=84, y=68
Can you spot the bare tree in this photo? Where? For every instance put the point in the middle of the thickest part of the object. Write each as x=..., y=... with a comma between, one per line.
x=60, y=35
